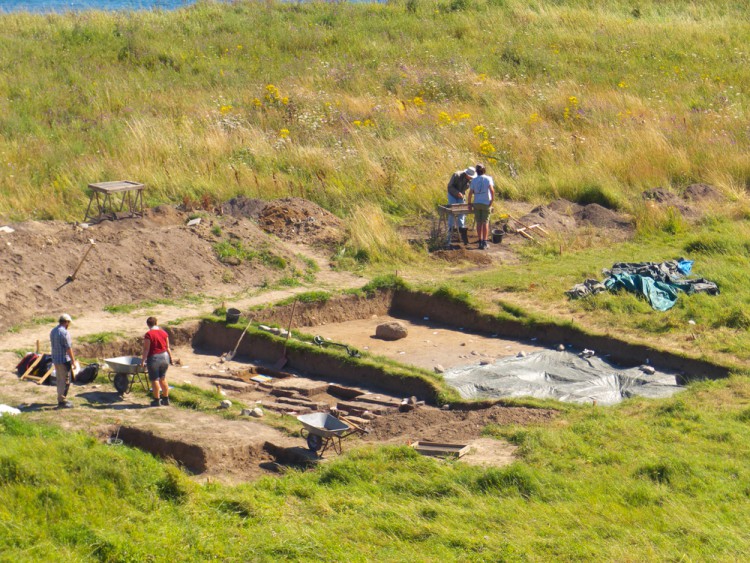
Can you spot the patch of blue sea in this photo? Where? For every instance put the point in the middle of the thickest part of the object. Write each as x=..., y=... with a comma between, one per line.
x=60, y=6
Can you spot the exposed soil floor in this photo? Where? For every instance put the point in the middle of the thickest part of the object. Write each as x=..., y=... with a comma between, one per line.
x=427, y=345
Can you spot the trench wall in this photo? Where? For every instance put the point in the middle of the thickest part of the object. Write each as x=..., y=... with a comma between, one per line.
x=178, y=336
x=415, y=304
x=335, y=310
x=335, y=368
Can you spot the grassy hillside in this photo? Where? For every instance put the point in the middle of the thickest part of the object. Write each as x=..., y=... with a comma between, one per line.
x=646, y=480
x=352, y=105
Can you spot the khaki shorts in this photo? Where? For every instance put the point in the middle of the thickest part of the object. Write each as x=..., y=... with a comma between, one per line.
x=481, y=213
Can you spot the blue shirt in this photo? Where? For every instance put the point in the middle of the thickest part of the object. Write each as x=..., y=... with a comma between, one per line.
x=61, y=343
x=481, y=187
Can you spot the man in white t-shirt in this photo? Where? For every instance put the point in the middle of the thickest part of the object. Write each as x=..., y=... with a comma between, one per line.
x=482, y=194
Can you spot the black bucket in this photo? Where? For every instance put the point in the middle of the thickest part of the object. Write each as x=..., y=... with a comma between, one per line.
x=497, y=236
x=233, y=315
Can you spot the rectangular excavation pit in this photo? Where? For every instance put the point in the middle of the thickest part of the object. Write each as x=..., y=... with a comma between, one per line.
x=201, y=444
x=190, y=456
x=429, y=313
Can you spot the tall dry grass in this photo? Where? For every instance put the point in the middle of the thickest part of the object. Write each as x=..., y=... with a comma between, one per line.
x=374, y=103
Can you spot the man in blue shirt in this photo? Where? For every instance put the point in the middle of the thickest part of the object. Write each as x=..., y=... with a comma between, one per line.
x=63, y=358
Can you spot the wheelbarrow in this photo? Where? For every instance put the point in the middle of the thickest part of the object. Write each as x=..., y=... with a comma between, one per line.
x=323, y=430
x=125, y=371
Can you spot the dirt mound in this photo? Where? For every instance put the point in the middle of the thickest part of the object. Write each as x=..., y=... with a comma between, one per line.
x=600, y=217
x=667, y=199
x=302, y=221
x=563, y=216
x=461, y=255
x=565, y=207
x=137, y=259
x=244, y=207
x=660, y=195
x=702, y=192
x=550, y=219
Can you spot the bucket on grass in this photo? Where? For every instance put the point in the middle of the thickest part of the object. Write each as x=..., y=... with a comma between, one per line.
x=233, y=315
x=497, y=236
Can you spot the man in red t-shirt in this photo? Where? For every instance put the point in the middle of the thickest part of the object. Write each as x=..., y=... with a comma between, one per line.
x=157, y=357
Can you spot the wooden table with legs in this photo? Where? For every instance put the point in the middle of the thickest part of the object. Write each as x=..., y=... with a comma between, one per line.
x=131, y=194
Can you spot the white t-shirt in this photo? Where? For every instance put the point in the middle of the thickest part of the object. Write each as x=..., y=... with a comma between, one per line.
x=481, y=187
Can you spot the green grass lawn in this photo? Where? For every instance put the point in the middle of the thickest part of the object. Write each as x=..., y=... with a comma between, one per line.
x=640, y=481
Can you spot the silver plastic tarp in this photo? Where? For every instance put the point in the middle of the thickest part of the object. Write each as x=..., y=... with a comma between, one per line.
x=560, y=375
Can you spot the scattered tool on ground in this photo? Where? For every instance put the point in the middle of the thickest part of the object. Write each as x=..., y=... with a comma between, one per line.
x=281, y=362
x=230, y=355
x=523, y=229
x=72, y=277
x=320, y=341
x=353, y=424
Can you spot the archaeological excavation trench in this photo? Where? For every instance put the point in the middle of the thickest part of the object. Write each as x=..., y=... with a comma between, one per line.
x=443, y=335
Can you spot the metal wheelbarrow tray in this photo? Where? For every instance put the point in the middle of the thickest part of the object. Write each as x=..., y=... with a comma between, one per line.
x=126, y=370
x=323, y=430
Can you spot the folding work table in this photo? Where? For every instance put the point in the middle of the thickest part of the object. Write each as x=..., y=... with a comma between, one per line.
x=130, y=194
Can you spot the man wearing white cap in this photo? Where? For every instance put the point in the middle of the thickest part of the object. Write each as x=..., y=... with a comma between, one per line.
x=457, y=186
x=63, y=358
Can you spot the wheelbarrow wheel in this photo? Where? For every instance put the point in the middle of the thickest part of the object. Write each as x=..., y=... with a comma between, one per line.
x=121, y=383
x=314, y=442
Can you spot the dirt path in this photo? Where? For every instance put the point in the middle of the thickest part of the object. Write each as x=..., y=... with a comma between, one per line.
x=95, y=321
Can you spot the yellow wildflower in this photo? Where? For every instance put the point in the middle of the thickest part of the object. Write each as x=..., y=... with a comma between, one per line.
x=223, y=110
x=481, y=132
x=486, y=148
x=444, y=118
x=418, y=101
x=284, y=133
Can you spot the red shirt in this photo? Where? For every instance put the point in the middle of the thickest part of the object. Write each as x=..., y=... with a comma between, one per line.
x=159, y=340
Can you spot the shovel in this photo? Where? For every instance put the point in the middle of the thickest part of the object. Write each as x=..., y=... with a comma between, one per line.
x=229, y=355
x=281, y=362
x=72, y=277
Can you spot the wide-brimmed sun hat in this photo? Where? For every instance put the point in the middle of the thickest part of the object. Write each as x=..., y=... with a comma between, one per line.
x=470, y=172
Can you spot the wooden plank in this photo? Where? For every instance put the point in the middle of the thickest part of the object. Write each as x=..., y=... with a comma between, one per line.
x=523, y=232
x=437, y=449
x=116, y=186
x=27, y=373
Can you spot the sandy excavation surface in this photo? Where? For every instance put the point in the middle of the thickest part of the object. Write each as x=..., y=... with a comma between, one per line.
x=427, y=345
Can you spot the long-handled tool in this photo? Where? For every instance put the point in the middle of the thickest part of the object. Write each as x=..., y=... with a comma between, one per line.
x=281, y=362
x=229, y=355
x=320, y=341
x=72, y=277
